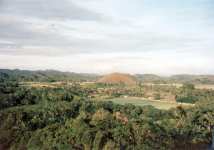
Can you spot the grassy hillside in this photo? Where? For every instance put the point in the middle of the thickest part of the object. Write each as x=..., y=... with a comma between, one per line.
x=151, y=78
x=118, y=78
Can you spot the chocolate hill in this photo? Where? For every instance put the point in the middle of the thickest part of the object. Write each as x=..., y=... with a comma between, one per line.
x=118, y=78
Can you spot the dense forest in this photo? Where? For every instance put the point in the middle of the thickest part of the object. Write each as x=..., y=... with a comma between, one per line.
x=65, y=117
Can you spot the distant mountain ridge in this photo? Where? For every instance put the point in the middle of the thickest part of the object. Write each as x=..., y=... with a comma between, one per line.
x=180, y=78
x=54, y=75
x=44, y=75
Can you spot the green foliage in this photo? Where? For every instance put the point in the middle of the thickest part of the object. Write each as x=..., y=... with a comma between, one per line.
x=64, y=118
x=187, y=99
x=188, y=94
x=188, y=86
x=157, y=96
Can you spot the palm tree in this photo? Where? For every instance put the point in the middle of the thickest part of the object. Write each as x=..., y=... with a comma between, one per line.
x=212, y=138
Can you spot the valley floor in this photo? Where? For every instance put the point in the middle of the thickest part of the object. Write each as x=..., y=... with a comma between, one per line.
x=143, y=102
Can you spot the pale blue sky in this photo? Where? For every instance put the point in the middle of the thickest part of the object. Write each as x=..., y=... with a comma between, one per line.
x=102, y=36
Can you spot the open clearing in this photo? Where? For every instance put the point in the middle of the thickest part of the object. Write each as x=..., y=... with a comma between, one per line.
x=178, y=85
x=143, y=102
x=205, y=86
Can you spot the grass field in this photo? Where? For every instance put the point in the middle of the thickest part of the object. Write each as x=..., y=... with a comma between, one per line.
x=142, y=102
x=205, y=86
x=178, y=85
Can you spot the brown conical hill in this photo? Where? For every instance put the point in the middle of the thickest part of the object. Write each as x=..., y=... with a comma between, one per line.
x=118, y=78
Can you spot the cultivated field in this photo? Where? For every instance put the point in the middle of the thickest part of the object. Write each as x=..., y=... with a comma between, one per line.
x=143, y=102
x=205, y=86
x=178, y=85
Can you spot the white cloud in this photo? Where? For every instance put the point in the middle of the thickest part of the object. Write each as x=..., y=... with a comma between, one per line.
x=110, y=35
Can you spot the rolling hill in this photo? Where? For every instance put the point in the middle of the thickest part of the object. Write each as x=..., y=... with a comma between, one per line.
x=118, y=78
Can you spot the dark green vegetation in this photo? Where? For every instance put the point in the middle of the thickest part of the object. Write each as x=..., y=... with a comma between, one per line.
x=63, y=118
x=188, y=94
x=68, y=117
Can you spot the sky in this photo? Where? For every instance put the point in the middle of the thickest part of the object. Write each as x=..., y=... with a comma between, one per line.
x=101, y=36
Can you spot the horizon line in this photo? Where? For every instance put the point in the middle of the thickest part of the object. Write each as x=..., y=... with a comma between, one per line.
x=66, y=71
